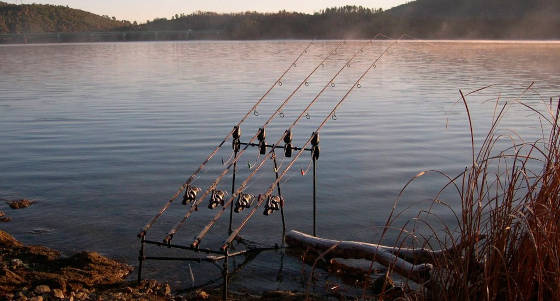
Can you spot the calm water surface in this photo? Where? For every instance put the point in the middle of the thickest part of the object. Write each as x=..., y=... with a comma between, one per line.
x=103, y=134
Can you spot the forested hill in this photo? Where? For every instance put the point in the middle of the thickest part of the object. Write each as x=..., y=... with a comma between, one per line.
x=478, y=8
x=502, y=19
x=39, y=18
x=438, y=19
x=337, y=22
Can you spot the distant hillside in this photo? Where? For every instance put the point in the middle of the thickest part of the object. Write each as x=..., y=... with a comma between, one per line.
x=432, y=19
x=437, y=19
x=499, y=19
x=477, y=8
x=39, y=18
x=336, y=22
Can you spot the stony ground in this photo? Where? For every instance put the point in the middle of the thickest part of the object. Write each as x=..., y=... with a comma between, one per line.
x=40, y=273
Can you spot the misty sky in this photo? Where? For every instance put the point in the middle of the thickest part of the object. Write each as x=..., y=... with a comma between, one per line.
x=141, y=10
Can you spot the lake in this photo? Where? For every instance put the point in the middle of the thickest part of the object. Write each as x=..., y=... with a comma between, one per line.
x=102, y=134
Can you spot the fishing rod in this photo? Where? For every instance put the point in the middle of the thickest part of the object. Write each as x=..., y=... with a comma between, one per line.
x=287, y=132
x=213, y=186
x=314, y=136
x=213, y=153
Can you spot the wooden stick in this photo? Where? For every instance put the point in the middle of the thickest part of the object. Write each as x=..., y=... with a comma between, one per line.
x=387, y=256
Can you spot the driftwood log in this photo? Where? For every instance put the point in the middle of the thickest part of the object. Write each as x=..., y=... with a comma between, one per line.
x=404, y=261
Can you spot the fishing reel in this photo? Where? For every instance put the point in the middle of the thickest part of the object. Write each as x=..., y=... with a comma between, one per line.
x=244, y=200
x=288, y=144
x=190, y=194
x=261, y=135
x=236, y=134
x=273, y=204
x=315, y=149
x=217, y=198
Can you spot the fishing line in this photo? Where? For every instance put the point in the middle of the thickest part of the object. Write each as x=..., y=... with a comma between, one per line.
x=229, y=159
x=213, y=153
x=279, y=109
x=242, y=186
x=304, y=172
x=179, y=224
x=273, y=185
x=288, y=178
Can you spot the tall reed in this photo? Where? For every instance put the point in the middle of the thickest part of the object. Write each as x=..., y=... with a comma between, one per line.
x=507, y=236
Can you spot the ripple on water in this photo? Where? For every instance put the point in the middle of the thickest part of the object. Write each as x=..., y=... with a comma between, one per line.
x=105, y=133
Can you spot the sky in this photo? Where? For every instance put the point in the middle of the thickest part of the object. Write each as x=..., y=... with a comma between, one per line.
x=142, y=10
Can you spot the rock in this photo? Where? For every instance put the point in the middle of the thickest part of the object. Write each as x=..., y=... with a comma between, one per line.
x=81, y=296
x=45, y=274
x=202, y=295
x=4, y=218
x=19, y=204
x=36, y=298
x=9, y=277
x=152, y=283
x=42, y=254
x=166, y=290
x=16, y=263
x=6, y=240
x=58, y=293
x=42, y=289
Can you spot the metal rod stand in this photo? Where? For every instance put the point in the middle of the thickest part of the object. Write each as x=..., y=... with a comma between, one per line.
x=232, y=192
x=314, y=196
x=216, y=255
x=281, y=199
x=226, y=275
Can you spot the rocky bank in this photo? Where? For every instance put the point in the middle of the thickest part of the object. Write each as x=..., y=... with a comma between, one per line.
x=39, y=273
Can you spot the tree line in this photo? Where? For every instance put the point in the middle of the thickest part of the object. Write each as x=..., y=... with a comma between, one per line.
x=452, y=19
x=38, y=18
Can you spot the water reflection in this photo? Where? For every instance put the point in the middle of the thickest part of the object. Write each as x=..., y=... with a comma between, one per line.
x=102, y=135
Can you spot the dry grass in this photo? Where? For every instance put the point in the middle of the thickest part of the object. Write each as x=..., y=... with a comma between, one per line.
x=505, y=242
x=508, y=226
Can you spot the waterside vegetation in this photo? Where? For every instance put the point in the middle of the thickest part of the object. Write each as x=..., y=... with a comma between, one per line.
x=508, y=229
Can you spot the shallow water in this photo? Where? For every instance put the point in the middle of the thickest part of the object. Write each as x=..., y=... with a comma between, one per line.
x=103, y=134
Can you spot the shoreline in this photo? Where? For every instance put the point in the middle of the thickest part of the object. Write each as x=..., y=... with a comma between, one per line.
x=186, y=36
x=29, y=272
x=36, y=273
